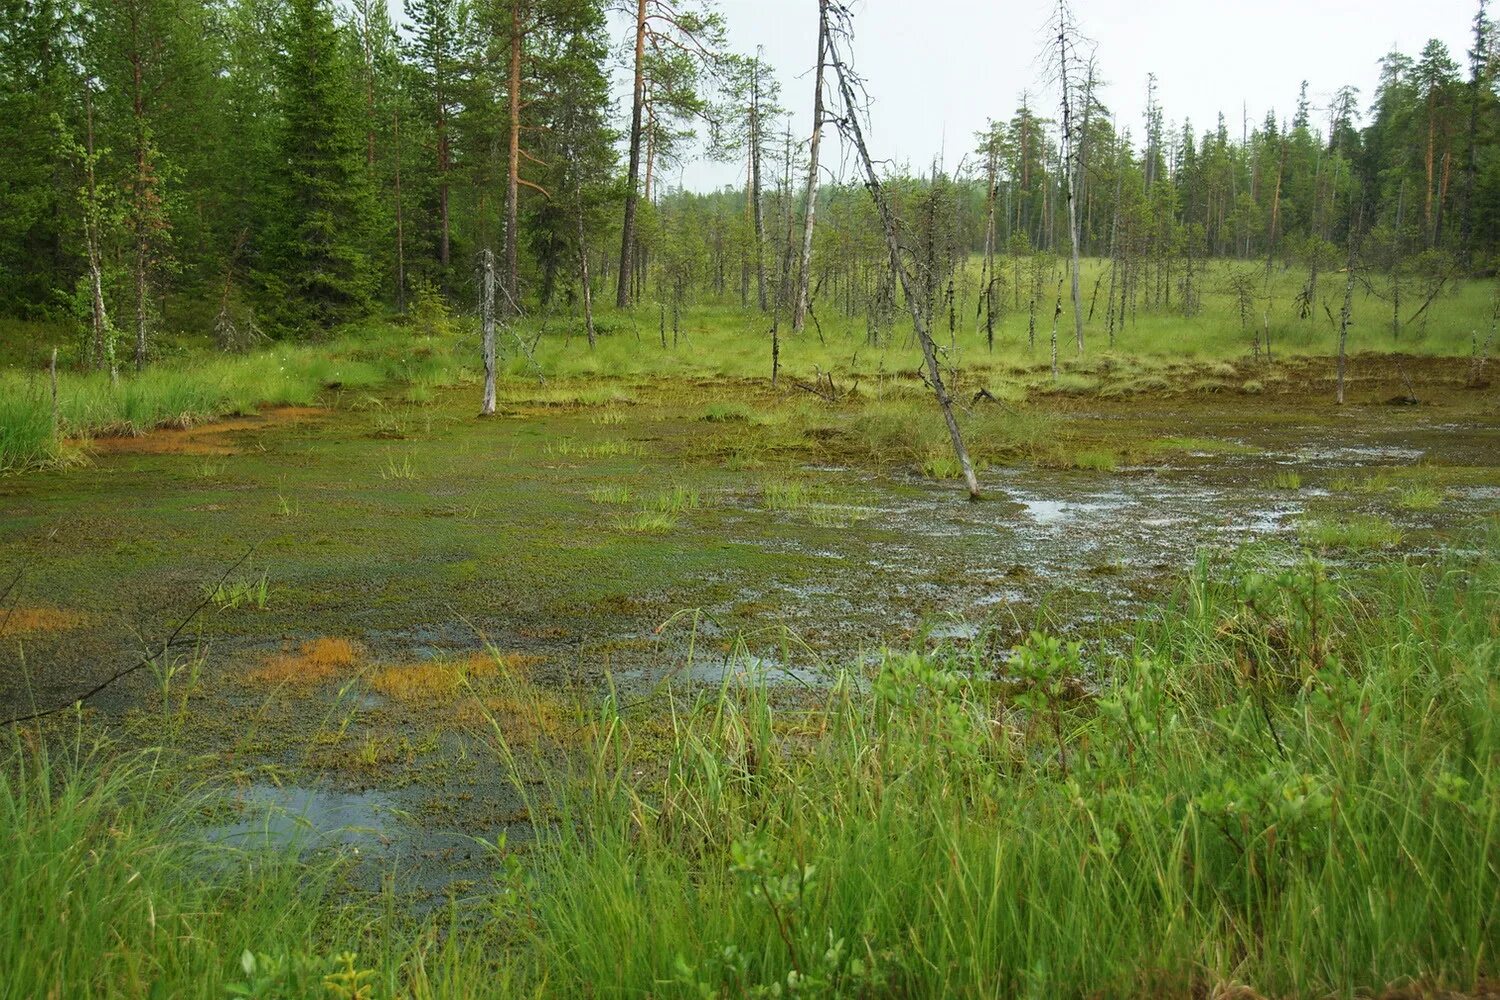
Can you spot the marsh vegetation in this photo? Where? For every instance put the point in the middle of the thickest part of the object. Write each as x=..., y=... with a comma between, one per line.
x=439, y=558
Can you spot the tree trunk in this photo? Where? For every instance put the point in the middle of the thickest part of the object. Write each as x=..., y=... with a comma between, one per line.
x=102, y=346
x=583, y=266
x=987, y=268
x=755, y=188
x=142, y=192
x=442, y=152
x=804, y=273
x=893, y=247
x=633, y=177
x=513, y=169
x=1344, y=315
x=400, y=235
x=487, y=320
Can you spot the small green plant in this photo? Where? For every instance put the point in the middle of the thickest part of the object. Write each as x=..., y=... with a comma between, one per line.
x=940, y=465
x=675, y=501
x=611, y=494
x=430, y=315
x=1421, y=498
x=230, y=595
x=646, y=522
x=270, y=977
x=608, y=417
x=1287, y=479
x=826, y=515
x=785, y=494
x=728, y=412
x=177, y=674
x=1097, y=461
x=1353, y=533
x=398, y=469
x=568, y=448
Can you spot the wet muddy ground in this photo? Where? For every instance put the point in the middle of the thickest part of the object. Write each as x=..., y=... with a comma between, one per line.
x=339, y=680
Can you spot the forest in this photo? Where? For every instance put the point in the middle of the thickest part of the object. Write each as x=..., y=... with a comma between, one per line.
x=272, y=168
x=446, y=553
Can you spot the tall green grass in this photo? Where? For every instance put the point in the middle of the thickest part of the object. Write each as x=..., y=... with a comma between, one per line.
x=1287, y=783
x=1283, y=782
x=183, y=393
x=111, y=891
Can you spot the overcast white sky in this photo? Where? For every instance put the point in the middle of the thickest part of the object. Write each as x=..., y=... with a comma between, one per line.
x=936, y=69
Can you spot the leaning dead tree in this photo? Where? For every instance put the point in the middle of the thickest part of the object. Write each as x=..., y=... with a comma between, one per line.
x=840, y=27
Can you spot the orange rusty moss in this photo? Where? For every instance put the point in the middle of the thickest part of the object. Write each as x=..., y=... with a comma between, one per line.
x=185, y=437
x=315, y=661
x=525, y=712
x=29, y=621
x=440, y=679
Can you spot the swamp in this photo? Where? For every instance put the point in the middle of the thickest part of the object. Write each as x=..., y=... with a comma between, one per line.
x=500, y=572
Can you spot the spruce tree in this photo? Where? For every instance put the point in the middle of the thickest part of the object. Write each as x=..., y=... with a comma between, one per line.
x=317, y=270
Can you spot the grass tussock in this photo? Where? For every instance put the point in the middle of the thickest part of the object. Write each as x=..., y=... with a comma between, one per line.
x=1202, y=446
x=109, y=847
x=1355, y=533
x=196, y=390
x=1421, y=498
x=1289, y=480
x=786, y=494
x=646, y=522
x=611, y=494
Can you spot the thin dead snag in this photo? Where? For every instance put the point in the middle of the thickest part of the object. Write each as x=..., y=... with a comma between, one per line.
x=487, y=318
x=1068, y=38
x=850, y=127
x=804, y=274
x=583, y=265
x=1344, y=315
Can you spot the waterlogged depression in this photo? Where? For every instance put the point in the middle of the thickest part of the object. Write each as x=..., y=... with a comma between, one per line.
x=355, y=704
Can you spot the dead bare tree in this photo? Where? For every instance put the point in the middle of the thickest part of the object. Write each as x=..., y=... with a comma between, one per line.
x=849, y=126
x=1067, y=64
x=804, y=273
x=487, y=320
x=1479, y=357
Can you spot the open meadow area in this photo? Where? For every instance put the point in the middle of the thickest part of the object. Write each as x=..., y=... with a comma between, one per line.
x=432, y=571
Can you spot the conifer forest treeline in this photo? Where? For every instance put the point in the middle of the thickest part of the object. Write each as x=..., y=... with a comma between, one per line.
x=270, y=168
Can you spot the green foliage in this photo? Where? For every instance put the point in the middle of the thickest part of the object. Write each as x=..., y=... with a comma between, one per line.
x=429, y=315
x=947, y=833
x=1284, y=782
x=317, y=272
x=142, y=905
x=244, y=592
x=1356, y=533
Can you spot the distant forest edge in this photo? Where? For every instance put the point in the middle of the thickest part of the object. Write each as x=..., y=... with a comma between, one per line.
x=273, y=168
